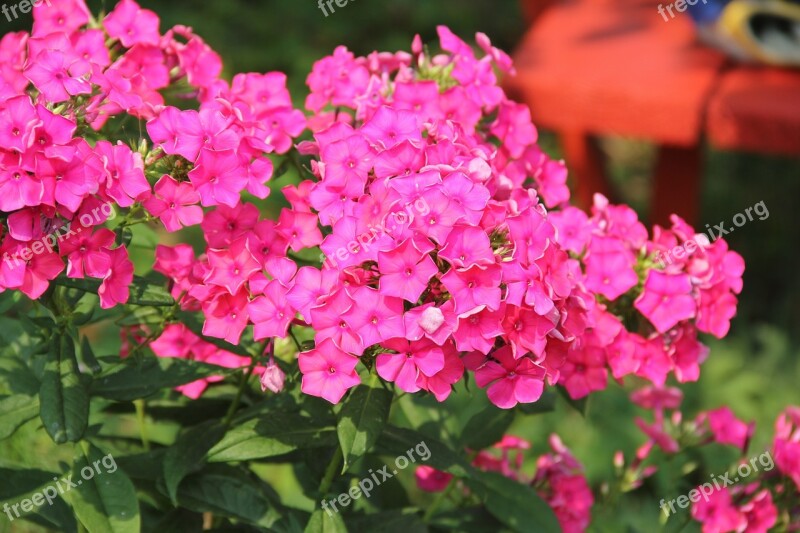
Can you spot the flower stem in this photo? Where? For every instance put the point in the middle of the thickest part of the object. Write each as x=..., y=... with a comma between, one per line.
x=238, y=398
x=442, y=496
x=142, y=425
x=330, y=472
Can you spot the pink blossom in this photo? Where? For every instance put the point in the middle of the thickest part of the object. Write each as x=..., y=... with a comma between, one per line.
x=666, y=300
x=175, y=204
x=411, y=360
x=115, y=288
x=510, y=381
x=328, y=372
x=431, y=480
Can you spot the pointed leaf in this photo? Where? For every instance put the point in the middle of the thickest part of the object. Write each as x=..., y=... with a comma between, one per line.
x=188, y=454
x=514, y=504
x=64, y=402
x=271, y=436
x=134, y=379
x=325, y=522
x=15, y=411
x=105, y=501
x=486, y=428
x=362, y=419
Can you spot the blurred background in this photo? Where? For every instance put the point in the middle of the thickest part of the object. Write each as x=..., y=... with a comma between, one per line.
x=756, y=370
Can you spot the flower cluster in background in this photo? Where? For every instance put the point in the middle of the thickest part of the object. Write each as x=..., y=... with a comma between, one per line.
x=559, y=478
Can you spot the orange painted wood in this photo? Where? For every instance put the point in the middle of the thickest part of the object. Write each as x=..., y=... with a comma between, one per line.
x=586, y=164
x=676, y=184
x=616, y=67
x=756, y=109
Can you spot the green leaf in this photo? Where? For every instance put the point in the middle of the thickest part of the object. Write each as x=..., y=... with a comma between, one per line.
x=545, y=404
x=468, y=520
x=17, y=483
x=146, y=293
x=143, y=292
x=138, y=378
x=271, y=436
x=362, y=419
x=486, y=428
x=188, y=454
x=87, y=356
x=394, y=521
x=15, y=411
x=325, y=522
x=16, y=377
x=104, y=502
x=226, y=491
x=64, y=403
x=514, y=504
x=397, y=441
x=581, y=405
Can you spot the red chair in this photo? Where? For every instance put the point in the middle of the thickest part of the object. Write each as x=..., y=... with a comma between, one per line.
x=590, y=68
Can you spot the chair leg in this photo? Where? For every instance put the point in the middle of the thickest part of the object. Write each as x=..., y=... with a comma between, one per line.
x=586, y=164
x=676, y=184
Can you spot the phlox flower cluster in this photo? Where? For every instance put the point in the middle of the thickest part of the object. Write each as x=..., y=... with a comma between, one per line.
x=646, y=320
x=496, y=276
x=63, y=84
x=726, y=505
x=559, y=479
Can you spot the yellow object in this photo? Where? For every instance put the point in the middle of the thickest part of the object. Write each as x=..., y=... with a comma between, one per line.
x=763, y=30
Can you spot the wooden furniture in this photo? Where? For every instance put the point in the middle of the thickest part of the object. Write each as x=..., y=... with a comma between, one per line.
x=589, y=68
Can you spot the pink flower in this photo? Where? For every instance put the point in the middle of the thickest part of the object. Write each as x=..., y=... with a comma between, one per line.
x=331, y=320
x=760, y=512
x=175, y=204
x=18, y=123
x=441, y=383
x=63, y=16
x=218, y=177
x=666, y=300
x=787, y=444
x=124, y=172
x=299, y=229
x=328, y=372
x=726, y=428
x=376, y=318
x=132, y=25
x=474, y=289
x=431, y=480
x=18, y=187
x=411, y=360
x=224, y=225
x=657, y=398
x=231, y=268
x=226, y=316
x=405, y=272
x=56, y=77
x=584, y=371
x=88, y=254
x=273, y=378
x=31, y=275
x=718, y=514
x=510, y=381
x=271, y=313
x=560, y=480
x=115, y=288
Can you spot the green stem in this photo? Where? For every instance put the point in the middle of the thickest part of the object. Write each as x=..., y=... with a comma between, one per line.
x=142, y=423
x=442, y=496
x=235, y=403
x=330, y=472
x=294, y=338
